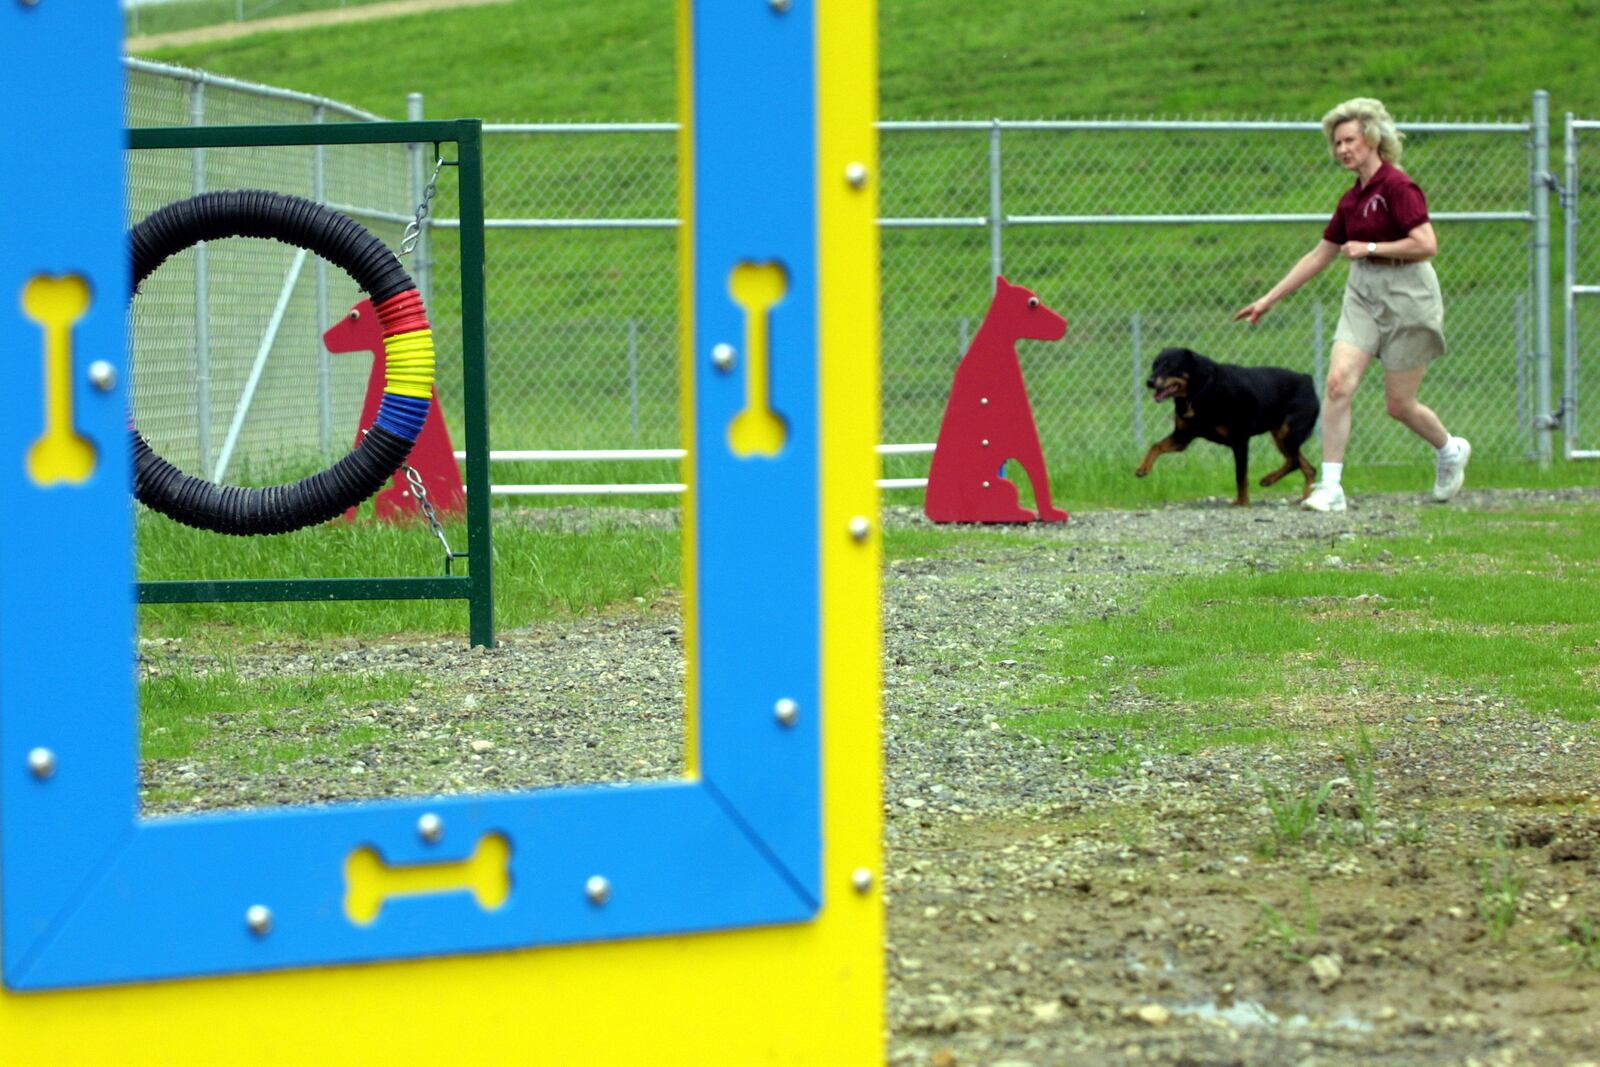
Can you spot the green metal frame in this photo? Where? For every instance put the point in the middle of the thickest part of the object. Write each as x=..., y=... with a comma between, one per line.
x=476, y=586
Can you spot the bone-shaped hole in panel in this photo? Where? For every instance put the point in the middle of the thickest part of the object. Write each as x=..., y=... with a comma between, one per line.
x=369, y=882
x=60, y=454
x=757, y=430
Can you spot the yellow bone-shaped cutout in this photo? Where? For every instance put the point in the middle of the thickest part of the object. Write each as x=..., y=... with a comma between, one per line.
x=369, y=881
x=757, y=430
x=60, y=454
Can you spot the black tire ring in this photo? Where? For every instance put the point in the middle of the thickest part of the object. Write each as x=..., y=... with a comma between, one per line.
x=242, y=510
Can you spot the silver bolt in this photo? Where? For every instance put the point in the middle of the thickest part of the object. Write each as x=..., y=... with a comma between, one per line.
x=259, y=918
x=102, y=375
x=597, y=889
x=780, y=6
x=986, y=485
x=42, y=762
x=860, y=527
x=787, y=711
x=856, y=175
x=430, y=827
x=984, y=401
x=861, y=879
x=722, y=356
x=985, y=442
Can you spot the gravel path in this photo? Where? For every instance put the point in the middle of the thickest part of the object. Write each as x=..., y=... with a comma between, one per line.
x=339, y=16
x=1039, y=915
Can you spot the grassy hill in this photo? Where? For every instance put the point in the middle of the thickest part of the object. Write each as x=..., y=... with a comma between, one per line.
x=537, y=60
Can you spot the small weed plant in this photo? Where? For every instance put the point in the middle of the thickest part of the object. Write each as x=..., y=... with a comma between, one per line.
x=1583, y=940
x=1358, y=766
x=1294, y=815
x=1289, y=933
x=1500, y=885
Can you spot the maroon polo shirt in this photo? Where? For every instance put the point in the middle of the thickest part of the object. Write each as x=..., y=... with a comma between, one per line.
x=1387, y=208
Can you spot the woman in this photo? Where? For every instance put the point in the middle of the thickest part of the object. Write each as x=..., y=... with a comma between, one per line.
x=1393, y=311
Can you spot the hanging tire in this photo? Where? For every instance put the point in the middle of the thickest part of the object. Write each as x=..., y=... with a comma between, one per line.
x=407, y=339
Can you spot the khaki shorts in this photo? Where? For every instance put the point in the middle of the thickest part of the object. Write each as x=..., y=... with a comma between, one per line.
x=1395, y=312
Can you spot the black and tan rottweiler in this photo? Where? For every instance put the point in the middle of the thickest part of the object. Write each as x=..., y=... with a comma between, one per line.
x=1229, y=405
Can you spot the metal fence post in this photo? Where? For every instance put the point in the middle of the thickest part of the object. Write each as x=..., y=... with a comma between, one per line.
x=202, y=299
x=1569, y=324
x=422, y=264
x=996, y=219
x=1545, y=418
x=319, y=193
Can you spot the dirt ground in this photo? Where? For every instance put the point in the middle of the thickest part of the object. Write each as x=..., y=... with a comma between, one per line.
x=1156, y=917
x=340, y=16
x=1039, y=914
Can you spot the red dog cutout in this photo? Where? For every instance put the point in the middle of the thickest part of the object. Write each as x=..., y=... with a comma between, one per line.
x=433, y=456
x=988, y=420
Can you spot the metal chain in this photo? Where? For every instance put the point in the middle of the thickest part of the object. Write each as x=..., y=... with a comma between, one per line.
x=420, y=491
x=413, y=232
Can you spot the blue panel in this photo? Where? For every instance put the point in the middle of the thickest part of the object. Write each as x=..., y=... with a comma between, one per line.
x=759, y=558
x=66, y=651
x=174, y=903
x=93, y=895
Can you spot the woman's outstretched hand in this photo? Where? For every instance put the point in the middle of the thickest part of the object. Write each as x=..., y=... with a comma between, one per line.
x=1252, y=311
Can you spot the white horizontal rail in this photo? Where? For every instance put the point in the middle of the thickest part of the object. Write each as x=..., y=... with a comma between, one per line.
x=575, y=455
x=580, y=127
x=566, y=224
x=557, y=455
x=574, y=489
x=648, y=488
x=976, y=221
x=1586, y=290
x=1175, y=125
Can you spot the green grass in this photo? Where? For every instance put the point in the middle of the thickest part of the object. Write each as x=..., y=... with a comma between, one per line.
x=1498, y=604
x=942, y=58
x=179, y=708
x=541, y=572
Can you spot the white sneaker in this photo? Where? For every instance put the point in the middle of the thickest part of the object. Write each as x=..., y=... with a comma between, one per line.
x=1325, y=498
x=1452, y=468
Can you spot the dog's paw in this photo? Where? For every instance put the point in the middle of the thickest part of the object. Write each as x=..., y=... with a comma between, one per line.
x=1141, y=472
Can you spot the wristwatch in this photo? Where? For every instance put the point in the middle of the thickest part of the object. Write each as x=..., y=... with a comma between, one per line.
x=1372, y=248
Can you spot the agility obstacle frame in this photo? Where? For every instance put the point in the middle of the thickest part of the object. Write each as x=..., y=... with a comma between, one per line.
x=734, y=916
x=477, y=585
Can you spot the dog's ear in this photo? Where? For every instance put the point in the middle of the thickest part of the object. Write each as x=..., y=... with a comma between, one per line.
x=1201, y=372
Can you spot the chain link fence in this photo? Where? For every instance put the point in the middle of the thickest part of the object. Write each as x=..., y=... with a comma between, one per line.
x=230, y=378
x=1144, y=234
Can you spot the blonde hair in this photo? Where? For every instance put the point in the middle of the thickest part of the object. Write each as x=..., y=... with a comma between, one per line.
x=1377, y=128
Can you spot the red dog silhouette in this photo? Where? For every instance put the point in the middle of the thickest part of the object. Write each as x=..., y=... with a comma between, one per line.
x=988, y=420
x=433, y=456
